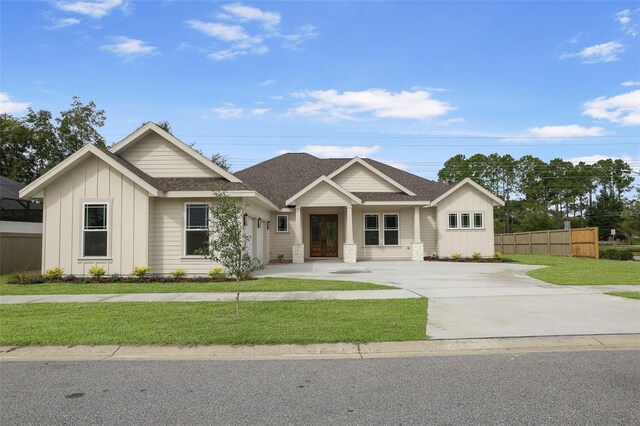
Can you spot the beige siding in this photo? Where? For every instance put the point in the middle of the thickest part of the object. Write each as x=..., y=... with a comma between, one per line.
x=159, y=158
x=95, y=181
x=465, y=241
x=281, y=242
x=382, y=252
x=429, y=230
x=322, y=195
x=358, y=178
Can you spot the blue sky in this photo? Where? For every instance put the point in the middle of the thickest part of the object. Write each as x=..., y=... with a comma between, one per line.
x=409, y=83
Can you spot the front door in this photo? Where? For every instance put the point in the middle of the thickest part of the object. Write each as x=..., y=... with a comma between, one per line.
x=324, y=235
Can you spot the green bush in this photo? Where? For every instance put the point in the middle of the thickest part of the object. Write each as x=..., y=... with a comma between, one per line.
x=476, y=255
x=34, y=279
x=218, y=274
x=616, y=254
x=456, y=256
x=140, y=271
x=497, y=255
x=53, y=274
x=179, y=273
x=97, y=272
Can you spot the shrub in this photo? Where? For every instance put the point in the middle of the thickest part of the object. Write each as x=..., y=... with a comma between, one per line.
x=34, y=279
x=434, y=256
x=616, y=254
x=69, y=278
x=163, y=279
x=280, y=258
x=97, y=272
x=456, y=256
x=140, y=271
x=114, y=278
x=85, y=280
x=179, y=273
x=476, y=255
x=53, y=274
x=497, y=255
x=20, y=277
x=218, y=274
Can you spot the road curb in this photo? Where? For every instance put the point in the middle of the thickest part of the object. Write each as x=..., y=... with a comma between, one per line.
x=323, y=351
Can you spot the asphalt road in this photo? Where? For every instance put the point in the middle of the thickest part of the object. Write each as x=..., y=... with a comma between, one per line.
x=598, y=387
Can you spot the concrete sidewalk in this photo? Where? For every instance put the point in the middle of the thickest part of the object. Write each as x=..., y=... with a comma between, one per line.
x=211, y=297
x=323, y=351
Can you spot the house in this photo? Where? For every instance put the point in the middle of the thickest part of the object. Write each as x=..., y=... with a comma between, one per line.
x=20, y=230
x=143, y=202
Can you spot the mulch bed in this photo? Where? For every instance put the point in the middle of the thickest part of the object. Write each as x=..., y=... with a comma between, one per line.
x=467, y=259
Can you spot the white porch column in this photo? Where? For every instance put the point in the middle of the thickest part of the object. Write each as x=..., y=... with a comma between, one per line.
x=417, y=248
x=349, y=249
x=298, y=246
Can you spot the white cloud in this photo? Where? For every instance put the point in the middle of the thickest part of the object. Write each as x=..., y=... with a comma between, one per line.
x=604, y=52
x=266, y=83
x=57, y=24
x=220, y=31
x=335, y=151
x=228, y=111
x=630, y=83
x=270, y=20
x=260, y=111
x=622, y=109
x=451, y=121
x=625, y=19
x=7, y=106
x=568, y=131
x=129, y=48
x=302, y=34
x=591, y=159
x=396, y=164
x=379, y=103
x=94, y=9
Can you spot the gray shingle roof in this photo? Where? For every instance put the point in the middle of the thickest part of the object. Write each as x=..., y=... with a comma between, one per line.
x=199, y=184
x=282, y=177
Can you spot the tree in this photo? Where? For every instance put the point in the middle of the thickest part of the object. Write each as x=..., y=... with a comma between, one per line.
x=631, y=216
x=228, y=241
x=221, y=160
x=79, y=125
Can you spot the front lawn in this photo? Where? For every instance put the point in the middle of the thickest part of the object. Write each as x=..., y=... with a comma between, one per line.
x=579, y=271
x=199, y=323
x=262, y=284
x=629, y=294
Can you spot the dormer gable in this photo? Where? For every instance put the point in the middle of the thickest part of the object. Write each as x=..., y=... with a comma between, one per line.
x=359, y=176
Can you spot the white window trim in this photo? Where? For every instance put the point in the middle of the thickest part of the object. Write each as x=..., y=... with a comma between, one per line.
x=286, y=216
x=462, y=223
x=384, y=228
x=185, y=230
x=364, y=229
x=473, y=215
x=108, y=255
x=449, y=221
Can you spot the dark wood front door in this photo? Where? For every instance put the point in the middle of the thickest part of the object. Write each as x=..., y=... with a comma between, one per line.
x=324, y=235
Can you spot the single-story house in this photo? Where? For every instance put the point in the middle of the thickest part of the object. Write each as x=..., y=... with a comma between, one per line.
x=143, y=202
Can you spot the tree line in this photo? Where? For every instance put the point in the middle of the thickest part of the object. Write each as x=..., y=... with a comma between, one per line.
x=543, y=195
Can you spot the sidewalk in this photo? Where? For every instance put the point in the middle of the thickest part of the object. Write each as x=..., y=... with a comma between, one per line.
x=323, y=351
x=211, y=297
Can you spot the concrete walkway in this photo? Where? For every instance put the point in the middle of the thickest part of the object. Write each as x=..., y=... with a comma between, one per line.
x=477, y=300
x=211, y=297
x=322, y=351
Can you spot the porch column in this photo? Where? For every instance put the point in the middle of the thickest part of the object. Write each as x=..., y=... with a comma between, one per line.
x=298, y=246
x=349, y=249
x=417, y=248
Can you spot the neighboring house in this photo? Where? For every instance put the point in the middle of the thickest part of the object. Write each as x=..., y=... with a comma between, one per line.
x=144, y=202
x=20, y=230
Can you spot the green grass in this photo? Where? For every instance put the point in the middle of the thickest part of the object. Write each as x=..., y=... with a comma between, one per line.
x=579, y=271
x=629, y=294
x=262, y=284
x=196, y=323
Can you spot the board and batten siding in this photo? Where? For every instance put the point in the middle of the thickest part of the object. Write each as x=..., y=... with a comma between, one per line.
x=465, y=241
x=95, y=181
x=158, y=157
x=429, y=230
x=358, y=178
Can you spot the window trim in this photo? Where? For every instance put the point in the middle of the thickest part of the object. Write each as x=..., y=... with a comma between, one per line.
x=107, y=229
x=449, y=221
x=462, y=222
x=185, y=230
x=286, y=216
x=481, y=220
x=364, y=230
x=384, y=229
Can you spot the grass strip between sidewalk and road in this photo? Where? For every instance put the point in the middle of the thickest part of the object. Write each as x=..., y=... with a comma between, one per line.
x=628, y=294
x=564, y=270
x=261, y=284
x=199, y=323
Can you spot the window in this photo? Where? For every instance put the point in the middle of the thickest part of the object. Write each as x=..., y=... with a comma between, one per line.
x=371, y=230
x=196, y=229
x=283, y=224
x=453, y=220
x=391, y=227
x=478, y=220
x=465, y=220
x=95, y=230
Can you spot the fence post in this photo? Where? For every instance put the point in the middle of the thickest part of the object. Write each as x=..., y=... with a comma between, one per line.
x=530, y=242
x=548, y=242
x=596, y=238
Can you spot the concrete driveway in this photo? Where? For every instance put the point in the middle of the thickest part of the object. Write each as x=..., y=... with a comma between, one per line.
x=469, y=300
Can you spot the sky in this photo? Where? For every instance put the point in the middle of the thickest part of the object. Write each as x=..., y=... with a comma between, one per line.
x=408, y=83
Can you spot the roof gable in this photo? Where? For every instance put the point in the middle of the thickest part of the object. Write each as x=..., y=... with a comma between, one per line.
x=160, y=154
x=358, y=175
x=326, y=191
x=467, y=181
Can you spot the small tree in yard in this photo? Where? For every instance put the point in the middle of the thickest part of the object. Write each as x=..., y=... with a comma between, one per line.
x=228, y=242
